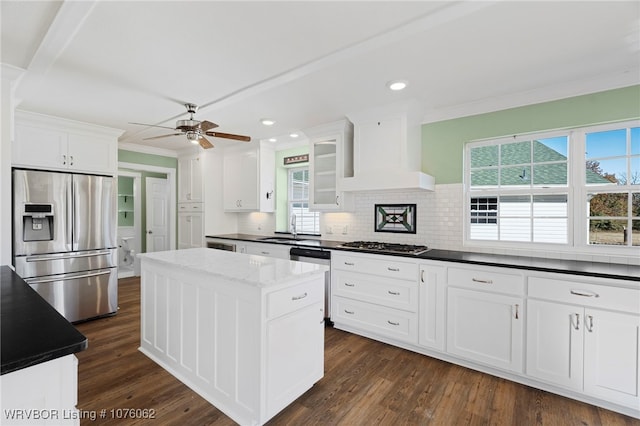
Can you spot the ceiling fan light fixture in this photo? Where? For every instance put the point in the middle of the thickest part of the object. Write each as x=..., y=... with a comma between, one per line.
x=193, y=137
x=267, y=122
x=397, y=85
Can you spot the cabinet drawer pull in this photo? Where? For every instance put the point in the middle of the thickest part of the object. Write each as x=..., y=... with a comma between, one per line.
x=395, y=293
x=476, y=280
x=393, y=323
x=349, y=285
x=299, y=297
x=349, y=263
x=584, y=293
x=393, y=269
x=349, y=312
x=264, y=252
x=576, y=323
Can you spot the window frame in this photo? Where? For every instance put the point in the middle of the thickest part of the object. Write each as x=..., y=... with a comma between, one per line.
x=290, y=201
x=576, y=190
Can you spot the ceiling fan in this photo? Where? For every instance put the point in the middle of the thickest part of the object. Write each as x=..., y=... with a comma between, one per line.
x=196, y=130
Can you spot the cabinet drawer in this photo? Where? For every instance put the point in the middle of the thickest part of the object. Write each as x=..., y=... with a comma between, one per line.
x=486, y=279
x=280, y=251
x=385, y=266
x=585, y=294
x=290, y=299
x=189, y=207
x=389, y=292
x=399, y=325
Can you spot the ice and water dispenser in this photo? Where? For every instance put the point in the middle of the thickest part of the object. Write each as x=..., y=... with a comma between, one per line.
x=37, y=222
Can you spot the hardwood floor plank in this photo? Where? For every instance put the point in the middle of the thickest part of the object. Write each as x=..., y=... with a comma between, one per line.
x=366, y=383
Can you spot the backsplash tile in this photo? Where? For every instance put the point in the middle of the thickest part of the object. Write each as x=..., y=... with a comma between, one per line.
x=439, y=224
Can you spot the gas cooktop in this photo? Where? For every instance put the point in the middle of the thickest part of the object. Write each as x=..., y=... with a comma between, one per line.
x=386, y=247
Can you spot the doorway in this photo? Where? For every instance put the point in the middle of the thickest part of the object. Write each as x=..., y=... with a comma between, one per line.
x=129, y=219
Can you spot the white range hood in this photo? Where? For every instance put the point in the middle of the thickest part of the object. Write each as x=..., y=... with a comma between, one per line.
x=387, y=150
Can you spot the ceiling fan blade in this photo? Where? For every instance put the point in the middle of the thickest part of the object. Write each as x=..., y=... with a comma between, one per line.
x=207, y=125
x=204, y=143
x=229, y=136
x=152, y=125
x=163, y=136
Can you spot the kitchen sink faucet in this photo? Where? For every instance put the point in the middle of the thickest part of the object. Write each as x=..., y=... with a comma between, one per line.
x=293, y=226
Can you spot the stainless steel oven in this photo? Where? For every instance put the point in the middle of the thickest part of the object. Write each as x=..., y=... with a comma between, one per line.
x=320, y=257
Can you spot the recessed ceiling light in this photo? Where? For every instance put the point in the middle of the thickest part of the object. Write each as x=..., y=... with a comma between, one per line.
x=273, y=140
x=267, y=122
x=397, y=84
x=294, y=135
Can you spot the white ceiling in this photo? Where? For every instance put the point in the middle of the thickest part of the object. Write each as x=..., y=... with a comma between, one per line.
x=306, y=63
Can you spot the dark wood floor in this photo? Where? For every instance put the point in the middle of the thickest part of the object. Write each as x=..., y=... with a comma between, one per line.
x=365, y=383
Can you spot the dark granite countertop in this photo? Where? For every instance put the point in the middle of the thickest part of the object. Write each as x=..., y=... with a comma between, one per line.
x=31, y=330
x=574, y=267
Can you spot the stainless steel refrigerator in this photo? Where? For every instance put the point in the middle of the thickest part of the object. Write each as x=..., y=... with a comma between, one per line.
x=64, y=240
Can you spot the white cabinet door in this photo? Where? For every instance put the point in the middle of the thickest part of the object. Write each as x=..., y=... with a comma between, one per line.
x=42, y=148
x=611, y=356
x=294, y=355
x=92, y=154
x=485, y=327
x=432, y=306
x=554, y=343
x=190, y=230
x=190, y=179
x=241, y=181
x=330, y=160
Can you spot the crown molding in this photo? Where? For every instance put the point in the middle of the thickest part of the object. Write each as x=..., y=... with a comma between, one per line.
x=144, y=149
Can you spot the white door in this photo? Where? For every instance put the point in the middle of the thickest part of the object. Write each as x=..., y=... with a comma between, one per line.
x=554, y=343
x=611, y=350
x=157, y=214
x=485, y=327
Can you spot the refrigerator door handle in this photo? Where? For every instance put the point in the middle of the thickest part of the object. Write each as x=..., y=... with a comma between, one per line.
x=45, y=257
x=51, y=279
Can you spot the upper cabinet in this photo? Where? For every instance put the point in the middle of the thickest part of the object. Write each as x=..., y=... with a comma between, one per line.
x=51, y=143
x=249, y=179
x=190, y=179
x=330, y=160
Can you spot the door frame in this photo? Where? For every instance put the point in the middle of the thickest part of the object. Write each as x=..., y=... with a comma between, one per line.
x=171, y=180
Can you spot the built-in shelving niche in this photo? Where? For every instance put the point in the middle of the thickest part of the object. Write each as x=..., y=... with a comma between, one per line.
x=125, y=201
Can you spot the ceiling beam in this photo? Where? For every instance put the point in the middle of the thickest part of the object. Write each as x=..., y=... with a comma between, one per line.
x=64, y=26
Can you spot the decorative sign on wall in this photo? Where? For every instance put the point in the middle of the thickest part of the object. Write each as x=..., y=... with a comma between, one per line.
x=395, y=218
x=304, y=158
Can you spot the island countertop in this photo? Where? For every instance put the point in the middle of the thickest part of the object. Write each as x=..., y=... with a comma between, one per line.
x=32, y=331
x=252, y=270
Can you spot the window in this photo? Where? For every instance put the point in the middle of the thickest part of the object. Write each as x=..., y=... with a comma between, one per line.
x=612, y=178
x=529, y=189
x=306, y=222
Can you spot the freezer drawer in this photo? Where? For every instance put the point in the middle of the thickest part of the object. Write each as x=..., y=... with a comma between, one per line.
x=80, y=296
x=38, y=265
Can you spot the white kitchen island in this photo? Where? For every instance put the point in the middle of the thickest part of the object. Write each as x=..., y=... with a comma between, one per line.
x=245, y=332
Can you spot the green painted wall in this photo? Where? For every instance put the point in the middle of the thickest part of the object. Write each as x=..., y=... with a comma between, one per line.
x=443, y=142
x=282, y=221
x=149, y=160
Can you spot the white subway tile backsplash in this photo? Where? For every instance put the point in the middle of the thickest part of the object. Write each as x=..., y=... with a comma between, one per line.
x=439, y=224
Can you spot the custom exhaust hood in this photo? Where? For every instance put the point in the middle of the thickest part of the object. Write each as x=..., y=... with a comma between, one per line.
x=387, y=150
